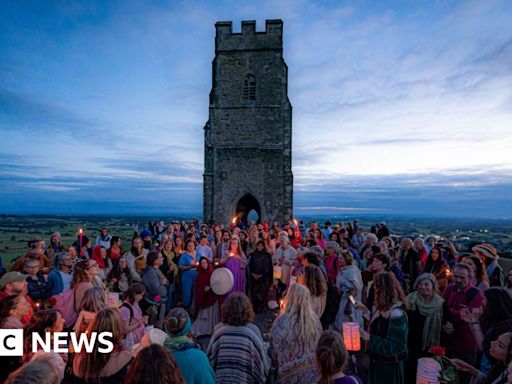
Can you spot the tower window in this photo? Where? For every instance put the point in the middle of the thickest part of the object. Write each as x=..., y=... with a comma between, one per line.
x=249, y=89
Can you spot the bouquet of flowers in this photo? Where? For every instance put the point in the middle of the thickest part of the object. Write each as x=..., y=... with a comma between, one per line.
x=448, y=374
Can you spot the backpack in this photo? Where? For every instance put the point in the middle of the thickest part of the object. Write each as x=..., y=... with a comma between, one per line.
x=331, y=305
x=64, y=303
x=126, y=305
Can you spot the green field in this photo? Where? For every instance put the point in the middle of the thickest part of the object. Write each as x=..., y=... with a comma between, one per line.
x=16, y=231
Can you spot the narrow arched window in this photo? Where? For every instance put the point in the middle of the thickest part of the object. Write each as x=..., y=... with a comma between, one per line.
x=249, y=89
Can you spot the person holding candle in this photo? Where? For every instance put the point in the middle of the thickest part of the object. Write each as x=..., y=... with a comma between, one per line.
x=36, y=282
x=388, y=328
x=294, y=338
x=206, y=301
x=349, y=283
x=137, y=257
x=188, y=268
x=437, y=266
x=131, y=315
x=236, y=262
x=331, y=359
x=285, y=257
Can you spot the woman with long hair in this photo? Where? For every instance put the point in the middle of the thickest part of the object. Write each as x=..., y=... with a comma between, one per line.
x=331, y=359
x=92, y=302
x=479, y=277
x=137, y=256
x=295, y=335
x=170, y=270
x=437, y=266
x=349, y=283
x=121, y=275
x=261, y=275
x=238, y=336
x=188, y=268
x=270, y=244
x=100, y=367
x=318, y=236
x=83, y=276
x=43, y=322
x=154, y=365
x=316, y=283
x=387, y=346
x=236, y=263
x=131, y=315
x=206, y=301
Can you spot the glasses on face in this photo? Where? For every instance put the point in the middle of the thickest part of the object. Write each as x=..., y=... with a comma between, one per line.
x=92, y=266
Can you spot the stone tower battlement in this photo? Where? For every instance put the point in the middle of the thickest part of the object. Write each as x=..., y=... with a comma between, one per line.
x=249, y=39
x=248, y=136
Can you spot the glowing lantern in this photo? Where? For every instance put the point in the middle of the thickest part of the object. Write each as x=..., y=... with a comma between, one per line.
x=428, y=371
x=351, y=336
x=277, y=272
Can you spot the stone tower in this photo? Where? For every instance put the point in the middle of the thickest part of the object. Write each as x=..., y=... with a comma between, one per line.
x=248, y=137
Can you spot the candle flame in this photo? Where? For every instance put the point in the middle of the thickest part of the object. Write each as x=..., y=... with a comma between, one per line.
x=234, y=220
x=80, y=230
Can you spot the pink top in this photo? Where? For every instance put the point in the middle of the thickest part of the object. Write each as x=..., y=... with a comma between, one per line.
x=138, y=332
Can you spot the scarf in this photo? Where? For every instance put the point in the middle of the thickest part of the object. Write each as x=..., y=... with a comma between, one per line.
x=433, y=311
x=96, y=256
x=180, y=341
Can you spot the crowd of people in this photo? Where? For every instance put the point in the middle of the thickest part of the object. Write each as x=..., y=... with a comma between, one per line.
x=407, y=297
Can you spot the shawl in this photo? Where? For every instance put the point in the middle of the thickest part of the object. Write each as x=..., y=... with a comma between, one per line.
x=180, y=341
x=204, y=299
x=96, y=256
x=433, y=311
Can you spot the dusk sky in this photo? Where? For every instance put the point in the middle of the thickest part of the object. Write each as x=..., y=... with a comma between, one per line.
x=399, y=107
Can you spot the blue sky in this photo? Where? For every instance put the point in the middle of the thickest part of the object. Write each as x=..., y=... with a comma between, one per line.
x=400, y=107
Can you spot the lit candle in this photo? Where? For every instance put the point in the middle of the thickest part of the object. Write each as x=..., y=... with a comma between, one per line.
x=281, y=304
x=233, y=223
x=38, y=307
x=81, y=232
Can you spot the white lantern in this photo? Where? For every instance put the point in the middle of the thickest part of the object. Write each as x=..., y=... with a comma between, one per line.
x=277, y=272
x=351, y=336
x=428, y=371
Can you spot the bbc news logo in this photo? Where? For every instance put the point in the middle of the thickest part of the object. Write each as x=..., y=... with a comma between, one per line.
x=11, y=342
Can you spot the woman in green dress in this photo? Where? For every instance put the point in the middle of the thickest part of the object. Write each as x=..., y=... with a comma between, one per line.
x=387, y=347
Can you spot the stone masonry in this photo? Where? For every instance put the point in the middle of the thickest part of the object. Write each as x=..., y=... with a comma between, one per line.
x=248, y=137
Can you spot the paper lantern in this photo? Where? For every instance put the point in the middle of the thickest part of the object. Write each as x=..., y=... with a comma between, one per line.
x=351, y=336
x=428, y=371
x=277, y=272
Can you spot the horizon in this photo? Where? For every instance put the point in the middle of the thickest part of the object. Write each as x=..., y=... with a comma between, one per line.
x=102, y=105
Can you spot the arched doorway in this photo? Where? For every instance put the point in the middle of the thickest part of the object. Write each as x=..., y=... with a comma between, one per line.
x=248, y=205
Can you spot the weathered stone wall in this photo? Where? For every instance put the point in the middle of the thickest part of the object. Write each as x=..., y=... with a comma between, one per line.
x=248, y=142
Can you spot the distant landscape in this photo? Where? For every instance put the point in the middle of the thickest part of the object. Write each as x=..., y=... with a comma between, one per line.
x=15, y=231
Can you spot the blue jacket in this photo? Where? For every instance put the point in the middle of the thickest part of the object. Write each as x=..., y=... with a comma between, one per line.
x=55, y=284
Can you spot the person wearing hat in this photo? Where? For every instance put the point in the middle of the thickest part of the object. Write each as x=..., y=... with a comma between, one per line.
x=489, y=256
x=15, y=283
x=191, y=360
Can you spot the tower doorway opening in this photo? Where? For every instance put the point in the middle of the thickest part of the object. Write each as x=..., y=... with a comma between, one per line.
x=248, y=208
